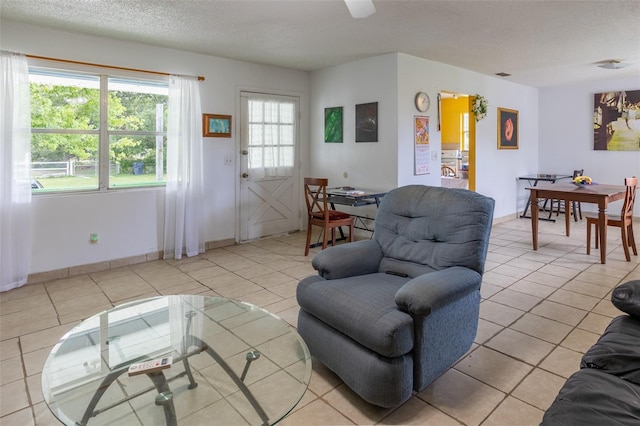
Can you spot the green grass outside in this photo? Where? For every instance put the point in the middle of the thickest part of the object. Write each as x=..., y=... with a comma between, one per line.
x=80, y=183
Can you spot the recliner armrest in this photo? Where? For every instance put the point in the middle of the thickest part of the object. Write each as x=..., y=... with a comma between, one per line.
x=348, y=260
x=428, y=292
x=626, y=297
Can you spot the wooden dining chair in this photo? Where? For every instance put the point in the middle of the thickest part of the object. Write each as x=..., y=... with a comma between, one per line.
x=624, y=221
x=319, y=213
x=447, y=171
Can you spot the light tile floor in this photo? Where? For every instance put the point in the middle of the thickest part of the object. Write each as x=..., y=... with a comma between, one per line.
x=540, y=311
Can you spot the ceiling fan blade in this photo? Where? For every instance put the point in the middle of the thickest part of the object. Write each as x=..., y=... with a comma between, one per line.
x=360, y=8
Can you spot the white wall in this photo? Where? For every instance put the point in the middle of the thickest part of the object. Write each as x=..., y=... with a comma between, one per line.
x=130, y=223
x=395, y=79
x=496, y=169
x=566, y=135
x=367, y=164
x=555, y=136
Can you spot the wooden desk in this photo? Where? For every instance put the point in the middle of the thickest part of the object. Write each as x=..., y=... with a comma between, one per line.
x=601, y=195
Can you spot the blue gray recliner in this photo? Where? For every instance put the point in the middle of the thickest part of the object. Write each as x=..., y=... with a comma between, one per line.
x=391, y=314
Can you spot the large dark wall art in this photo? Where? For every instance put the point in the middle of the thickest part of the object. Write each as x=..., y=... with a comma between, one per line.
x=616, y=121
x=367, y=122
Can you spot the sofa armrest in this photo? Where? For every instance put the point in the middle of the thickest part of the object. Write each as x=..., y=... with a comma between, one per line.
x=626, y=297
x=347, y=260
x=428, y=292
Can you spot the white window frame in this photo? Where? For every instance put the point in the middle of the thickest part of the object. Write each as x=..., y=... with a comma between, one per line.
x=103, y=131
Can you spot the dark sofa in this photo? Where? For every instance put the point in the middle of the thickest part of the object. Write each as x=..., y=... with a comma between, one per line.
x=606, y=389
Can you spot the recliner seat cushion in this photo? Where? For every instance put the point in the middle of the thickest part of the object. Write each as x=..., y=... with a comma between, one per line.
x=362, y=308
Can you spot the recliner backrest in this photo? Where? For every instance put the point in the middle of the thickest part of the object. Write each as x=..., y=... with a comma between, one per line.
x=422, y=228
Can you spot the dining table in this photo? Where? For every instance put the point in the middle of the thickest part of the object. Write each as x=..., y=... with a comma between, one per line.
x=600, y=194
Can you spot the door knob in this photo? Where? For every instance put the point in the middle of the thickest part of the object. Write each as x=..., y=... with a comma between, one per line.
x=245, y=175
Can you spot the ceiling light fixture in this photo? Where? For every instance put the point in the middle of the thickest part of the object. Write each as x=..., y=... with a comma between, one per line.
x=360, y=8
x=612, y=64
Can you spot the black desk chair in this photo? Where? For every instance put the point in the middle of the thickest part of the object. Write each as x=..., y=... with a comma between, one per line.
x=576, y=206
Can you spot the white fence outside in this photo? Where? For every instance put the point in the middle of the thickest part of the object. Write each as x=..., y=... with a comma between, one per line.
x=69, y=168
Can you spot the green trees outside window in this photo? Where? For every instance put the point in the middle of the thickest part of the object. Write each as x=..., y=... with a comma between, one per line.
x=78, y=145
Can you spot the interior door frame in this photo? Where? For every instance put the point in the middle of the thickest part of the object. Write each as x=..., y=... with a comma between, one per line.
x=299, y=165
x=472, y=137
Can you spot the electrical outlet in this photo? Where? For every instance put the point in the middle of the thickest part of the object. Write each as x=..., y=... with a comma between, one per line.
x=93, y=238
x=227, y=160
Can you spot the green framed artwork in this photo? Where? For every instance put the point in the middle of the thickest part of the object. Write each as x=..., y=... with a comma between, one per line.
x=333, y=125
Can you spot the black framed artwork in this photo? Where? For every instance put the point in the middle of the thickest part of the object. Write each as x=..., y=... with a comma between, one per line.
x=367, y=122
x=507, y=128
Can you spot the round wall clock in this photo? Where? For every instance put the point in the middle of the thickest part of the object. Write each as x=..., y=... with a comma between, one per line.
x=422, y=101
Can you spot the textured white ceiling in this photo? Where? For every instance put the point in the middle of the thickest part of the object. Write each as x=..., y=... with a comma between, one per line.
x=541, y=43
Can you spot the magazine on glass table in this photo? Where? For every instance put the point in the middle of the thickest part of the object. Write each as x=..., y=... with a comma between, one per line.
x=345, y=190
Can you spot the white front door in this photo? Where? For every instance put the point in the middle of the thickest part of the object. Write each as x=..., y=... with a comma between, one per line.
x=269, y=192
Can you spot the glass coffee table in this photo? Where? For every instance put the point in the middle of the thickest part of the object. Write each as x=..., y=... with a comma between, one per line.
x=231, y=363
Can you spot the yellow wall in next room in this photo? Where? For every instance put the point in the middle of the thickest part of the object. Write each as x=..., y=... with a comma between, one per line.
x=452, y=109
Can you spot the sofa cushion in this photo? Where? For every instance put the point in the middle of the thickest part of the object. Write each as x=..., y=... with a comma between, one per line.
x=617, y=351
x=362, y=308
x=593, y=397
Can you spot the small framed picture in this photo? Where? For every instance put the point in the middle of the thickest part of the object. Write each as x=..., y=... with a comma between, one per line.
x=507, y=128
x=216, y=126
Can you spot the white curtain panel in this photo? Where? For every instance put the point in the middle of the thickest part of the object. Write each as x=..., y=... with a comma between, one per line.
x=15, y=170
x=185, y=188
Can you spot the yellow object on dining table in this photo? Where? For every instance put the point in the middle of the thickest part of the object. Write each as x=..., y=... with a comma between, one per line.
x=584, y=180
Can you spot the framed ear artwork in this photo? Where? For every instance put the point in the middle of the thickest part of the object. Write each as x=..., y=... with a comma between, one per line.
x=216, y=126
x=507, y=128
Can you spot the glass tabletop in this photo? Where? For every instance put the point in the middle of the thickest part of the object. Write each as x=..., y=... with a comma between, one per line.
x=232, y=363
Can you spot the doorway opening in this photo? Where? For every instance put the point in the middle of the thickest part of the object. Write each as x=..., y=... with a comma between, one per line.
x=458, y=137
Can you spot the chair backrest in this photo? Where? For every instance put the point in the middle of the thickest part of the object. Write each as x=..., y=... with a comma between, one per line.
x=422, y=228
x=315, y=195
x=629, y=198
x=447, y=171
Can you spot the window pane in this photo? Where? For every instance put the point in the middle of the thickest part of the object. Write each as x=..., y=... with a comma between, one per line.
x=286, y=135
x=255, y=158
x=255, y=134
x=286, y=156
x=270, y=134
x=64, y=162
x=286, y=113
x=133, y=160
x=271, y=112
x=64, y=101
x=255, y=111
x=137, y=106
